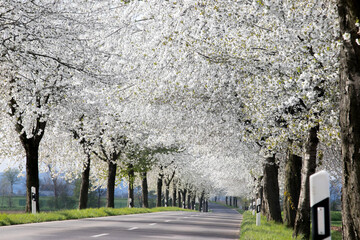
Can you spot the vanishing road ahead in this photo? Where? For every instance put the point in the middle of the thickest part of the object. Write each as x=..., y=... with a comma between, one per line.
x=221, y=223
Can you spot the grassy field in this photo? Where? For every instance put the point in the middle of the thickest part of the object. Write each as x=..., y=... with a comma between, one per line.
x=47, y=203
x=13, y=219
x=274, y=231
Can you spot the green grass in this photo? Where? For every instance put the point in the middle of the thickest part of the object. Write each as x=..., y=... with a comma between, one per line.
x=271, y=230
x=266, y=231
x=13, y=219
x=47, y=203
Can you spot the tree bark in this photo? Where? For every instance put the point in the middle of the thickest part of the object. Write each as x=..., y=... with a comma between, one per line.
x=145, y=191
x=292, y=188
x=349, y=15
x=302, y=220
x=193, y=201
x=183, y=199
x=179, y=198
x=110, y=195
x=167, y=193
x=189, y=200
x=174, y=194
x=201, y=202
x=271, y=190
x=85, y=183
x=167, y=188
x=32, y=171
x=159, y=189
x=131, y=175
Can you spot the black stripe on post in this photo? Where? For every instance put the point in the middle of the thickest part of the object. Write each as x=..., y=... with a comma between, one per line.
x=322, y=207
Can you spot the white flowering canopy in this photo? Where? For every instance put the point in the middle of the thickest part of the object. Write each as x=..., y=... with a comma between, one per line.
x=225, y=82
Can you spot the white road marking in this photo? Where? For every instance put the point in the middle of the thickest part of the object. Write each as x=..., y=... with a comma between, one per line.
x=100, y=235
x=152, y=224
x=167, y=220
x=133, y=228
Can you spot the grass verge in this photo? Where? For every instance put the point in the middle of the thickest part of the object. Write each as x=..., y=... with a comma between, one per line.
x=270, y=230
x=266, y=231
x=13, y=219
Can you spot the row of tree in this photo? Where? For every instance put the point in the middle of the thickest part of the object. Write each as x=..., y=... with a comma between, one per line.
x=209, y=89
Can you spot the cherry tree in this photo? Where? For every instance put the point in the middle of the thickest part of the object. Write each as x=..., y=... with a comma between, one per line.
x=349, y=14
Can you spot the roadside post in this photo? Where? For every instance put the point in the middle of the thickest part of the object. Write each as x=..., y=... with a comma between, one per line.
x=320, y=205
x=33, y=200
x=258, y=208
x=253, y=207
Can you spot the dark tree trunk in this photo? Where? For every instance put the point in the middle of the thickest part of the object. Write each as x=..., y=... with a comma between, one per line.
x=193, y=201
x=230, y=201
x=302, y=220
x=111, y=184
x=85, y=183
x=226, y=200
x=145, y=191
x=184, y=194
x=201, y=202
x=131, y=199
x=271, y=190
x=159, y=189
x=174, y=194
x=189, y=200
x=292, y=188
x=179, y=199
x=167, y=193
x=32, y=171
x=349, y=14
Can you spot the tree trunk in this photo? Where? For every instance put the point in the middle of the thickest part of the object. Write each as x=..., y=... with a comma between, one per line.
x=145, y=191
x=32, y=171
x=189, y=200
x=85, y=183
x=271, y=190
x=159, y=189
x=31, y=146
x=349, y=14
x=174, y=194
x=184, y=198
x=179, y=199
x=302, y=220
x=292, y=188
x=193, y=201
x=201, y=202
x=131, y=175
x=167, y=193
x=111, y=184
x=226, y=200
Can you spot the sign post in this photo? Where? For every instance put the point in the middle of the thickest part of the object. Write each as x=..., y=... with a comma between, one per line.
x=33, y=200
x=258, y=208
x=320, y=205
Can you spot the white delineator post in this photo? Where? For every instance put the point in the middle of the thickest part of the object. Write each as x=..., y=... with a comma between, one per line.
x=254, y=207
x=258, y=208
x=33, y=200
x=320, y=205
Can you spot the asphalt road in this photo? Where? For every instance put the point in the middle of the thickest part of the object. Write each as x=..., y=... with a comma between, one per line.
x=221, y=223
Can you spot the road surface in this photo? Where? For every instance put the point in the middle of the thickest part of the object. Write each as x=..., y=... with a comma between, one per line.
x=221, y=223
